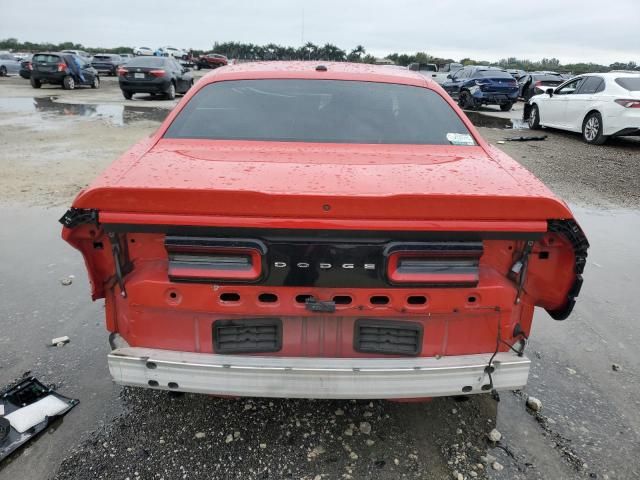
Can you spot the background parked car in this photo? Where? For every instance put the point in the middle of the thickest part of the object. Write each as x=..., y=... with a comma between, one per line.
x=125, y=57
x=599, y=105
x=211, y=60
x=537, y=83
x=156, y=75
x=9, y=65
x=516, y=73
x=173, y=52
x=25, y=67
x=143, y=51
x=106, y=63
x=81, y=53
x=474, y=86
x=64, y=69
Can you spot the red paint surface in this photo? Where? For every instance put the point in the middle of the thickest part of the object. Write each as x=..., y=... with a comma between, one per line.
x=322, y=186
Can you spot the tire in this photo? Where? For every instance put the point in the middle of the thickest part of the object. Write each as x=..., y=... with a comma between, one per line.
x=534, y=118
x=3, y=71
x=171, y=91
x=68, y=83
x=592, y=129
x=466, y=101
x=197, y=66
x=96, y=82
x=127, y=94
x=505, y=107
x=35, y=83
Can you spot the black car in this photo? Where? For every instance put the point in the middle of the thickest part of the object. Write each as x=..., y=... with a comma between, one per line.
x=476, y=85
x=155, y=75
x=536, y=83
x=25, y=68
x=64, y=69
x=107, y=63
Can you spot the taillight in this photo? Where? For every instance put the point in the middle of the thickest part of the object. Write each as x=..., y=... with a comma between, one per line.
x=122, y=71
x=628, y=103
x=157, y=73
x=214, y=259
x=29, y=66
x=62, y=67
x=434, y=263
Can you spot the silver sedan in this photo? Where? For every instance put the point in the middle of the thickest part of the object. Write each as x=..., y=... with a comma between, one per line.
x=8, y=64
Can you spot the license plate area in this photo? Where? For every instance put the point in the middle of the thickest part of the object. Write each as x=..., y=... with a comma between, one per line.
x=251, y=335
x=138, y=75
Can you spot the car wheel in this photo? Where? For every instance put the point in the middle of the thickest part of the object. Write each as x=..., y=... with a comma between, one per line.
x=127, y=94
x=534, y=118
x=171, y=92
x=35, y=83
x=592, y=129
x=3, y=71
x=96, y=82
x=466, y=101
x=197, y=66
x=68, y=83
x=505, y=107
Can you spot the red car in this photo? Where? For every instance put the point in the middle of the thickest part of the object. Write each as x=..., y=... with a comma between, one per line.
x=211, y=60
x=323, y=231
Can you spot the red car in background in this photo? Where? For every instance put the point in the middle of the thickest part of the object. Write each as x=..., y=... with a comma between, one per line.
x=211, y=60
x=334, y=230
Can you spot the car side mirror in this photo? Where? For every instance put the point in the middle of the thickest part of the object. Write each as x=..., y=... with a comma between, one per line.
x=550, y=92
x=449, y=77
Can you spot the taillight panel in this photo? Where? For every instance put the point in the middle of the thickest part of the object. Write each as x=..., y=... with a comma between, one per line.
x=215, y=259
x=454, y=264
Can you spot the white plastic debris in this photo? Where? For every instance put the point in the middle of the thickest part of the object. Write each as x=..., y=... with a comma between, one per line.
x=26, y=417
x=60, y=341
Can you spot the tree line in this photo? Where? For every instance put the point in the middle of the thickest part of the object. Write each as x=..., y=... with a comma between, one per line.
x=331, y=52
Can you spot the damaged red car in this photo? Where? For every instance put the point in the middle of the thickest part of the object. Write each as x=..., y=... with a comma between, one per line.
x=323, y=231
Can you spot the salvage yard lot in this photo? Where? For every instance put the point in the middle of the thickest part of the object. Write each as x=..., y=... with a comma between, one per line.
x=588, y=427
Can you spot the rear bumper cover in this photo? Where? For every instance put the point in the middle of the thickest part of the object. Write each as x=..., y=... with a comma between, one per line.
x=303, y=377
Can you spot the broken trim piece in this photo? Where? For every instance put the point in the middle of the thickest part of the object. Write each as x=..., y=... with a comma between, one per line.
x=24, y=393
x=79, y=216
x=572, y=232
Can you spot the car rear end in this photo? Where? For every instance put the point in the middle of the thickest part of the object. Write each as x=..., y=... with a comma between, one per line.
x=145, y=75
x=622, y=115
x=302, y=245
x=25, y=68
x=494, y=87
x=105, y=64
x=49, y=68
x=540, y=83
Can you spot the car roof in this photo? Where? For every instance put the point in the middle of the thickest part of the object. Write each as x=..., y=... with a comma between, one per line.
x=308, y=70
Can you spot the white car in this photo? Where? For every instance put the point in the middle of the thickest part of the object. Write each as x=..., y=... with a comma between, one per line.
x=600, y=105
x=173, y=52
x=143, y=51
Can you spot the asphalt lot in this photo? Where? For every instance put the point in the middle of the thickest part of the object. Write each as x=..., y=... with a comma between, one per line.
x=588, y=428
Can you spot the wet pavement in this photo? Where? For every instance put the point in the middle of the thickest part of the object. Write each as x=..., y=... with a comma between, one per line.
x=588, y=427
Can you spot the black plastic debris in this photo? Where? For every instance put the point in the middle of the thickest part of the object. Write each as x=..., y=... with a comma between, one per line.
x=28, y=407
x=527, y=139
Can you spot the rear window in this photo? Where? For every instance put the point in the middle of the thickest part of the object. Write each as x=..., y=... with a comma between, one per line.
x=151, y=62
x=46, y=58
x=492, y=74
x=102, y=57
x=332, y=111
x=548, y=78
x=629, y=83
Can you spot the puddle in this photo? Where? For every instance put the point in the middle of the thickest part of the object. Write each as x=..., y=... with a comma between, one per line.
x=117, y=115
x=482, y=120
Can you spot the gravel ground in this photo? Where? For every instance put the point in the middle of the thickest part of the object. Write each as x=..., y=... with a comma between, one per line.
x=588, y=426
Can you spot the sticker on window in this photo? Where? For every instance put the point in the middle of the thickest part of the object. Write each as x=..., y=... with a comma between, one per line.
x=460, y=139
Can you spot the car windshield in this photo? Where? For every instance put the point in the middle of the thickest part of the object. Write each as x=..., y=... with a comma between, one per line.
x=629, y=83
x=147, y=62
x=332, y=111
x=492, y=74
x=102, y=57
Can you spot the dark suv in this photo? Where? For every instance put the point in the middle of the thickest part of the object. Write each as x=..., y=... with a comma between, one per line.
x=64, y=69
x=159, y=75
x=107, y=63
x=474, y=86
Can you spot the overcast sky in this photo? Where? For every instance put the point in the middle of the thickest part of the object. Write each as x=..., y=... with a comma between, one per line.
x=571, y=30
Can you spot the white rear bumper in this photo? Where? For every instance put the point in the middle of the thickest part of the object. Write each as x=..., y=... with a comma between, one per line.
x=298, y=377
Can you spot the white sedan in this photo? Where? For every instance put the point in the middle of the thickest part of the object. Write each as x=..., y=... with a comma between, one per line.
x=142, y=51
x=600, y=105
